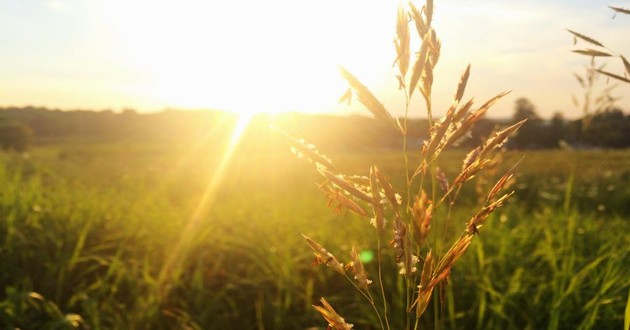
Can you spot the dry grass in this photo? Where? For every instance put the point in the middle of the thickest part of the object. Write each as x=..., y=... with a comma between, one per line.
x=403, y=216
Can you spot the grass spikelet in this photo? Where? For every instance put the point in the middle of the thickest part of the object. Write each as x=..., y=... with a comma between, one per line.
x=429, y=11
x=427, y=80
x=442, y=179
x=626, y=64
x=402, y=42
x=614, y=76
x=392, y=197
x=334, y=320
x=592, y=52
x=480, y=217
x=585, y=38
x=419, y=66
x=463, y=111
x=379, y=212
x=471, y=157
x=427, y=270
x=368, y=99
x=461, y=87
x=446, y=263
x=359, y=271
x=437, y=133
x=340, y=181
x=471, y=170
x=301, y=148
x=425, y=290
x=620, y=10
x=503, y=181
x=398, y=242
x=322, y=256
x=416, y=15
x=338, y=201
x=462, y=129
x=422, y=211
x=436, y=46
x=500, y=138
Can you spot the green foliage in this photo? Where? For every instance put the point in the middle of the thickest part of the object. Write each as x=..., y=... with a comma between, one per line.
x=353, y=133
x=88, y=227
x=530, y=134
x=610, y=129
x=14, y=136
x=23, y=309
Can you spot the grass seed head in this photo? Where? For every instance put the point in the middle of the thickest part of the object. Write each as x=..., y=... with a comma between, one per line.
x=402, y=42
x=335, y=321
x=368, y=99
x=422, y=212
x=300, y=148
x=341, y=182
x=338, y=201
x=322, y=256
x=443, y=268
x=377, y=205
x=500, y=138
x=425, y=291
x=420, y=65
x=359, y=271
x=393, y=198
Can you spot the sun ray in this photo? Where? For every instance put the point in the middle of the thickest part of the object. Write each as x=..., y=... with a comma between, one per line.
x=179, y=252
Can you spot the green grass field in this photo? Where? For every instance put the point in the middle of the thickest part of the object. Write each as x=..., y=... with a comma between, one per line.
x=170, y=236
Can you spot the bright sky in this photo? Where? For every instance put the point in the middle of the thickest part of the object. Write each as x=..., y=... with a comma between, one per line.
x=282, y=55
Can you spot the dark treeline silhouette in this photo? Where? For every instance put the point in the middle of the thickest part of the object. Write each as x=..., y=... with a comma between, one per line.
x=608, y=128
x=20, y=126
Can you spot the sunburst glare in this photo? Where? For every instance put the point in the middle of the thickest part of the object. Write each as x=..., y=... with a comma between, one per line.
x=180, y=250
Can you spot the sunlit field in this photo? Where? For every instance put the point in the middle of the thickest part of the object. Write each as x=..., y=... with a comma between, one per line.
x=153, y=235
x=313, y=165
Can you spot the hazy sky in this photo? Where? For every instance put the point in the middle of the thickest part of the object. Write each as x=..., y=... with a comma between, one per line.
x=281, y=55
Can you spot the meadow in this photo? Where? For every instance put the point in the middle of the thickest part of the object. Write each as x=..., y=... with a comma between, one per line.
x=133, y=235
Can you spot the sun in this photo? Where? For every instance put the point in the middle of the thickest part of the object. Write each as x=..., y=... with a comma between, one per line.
x=249, y=56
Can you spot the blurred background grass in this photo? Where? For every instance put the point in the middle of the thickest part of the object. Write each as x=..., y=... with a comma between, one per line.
x=89, y=227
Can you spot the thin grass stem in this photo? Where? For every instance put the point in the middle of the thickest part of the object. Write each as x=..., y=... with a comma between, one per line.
x=366, y=294
x=380, y=278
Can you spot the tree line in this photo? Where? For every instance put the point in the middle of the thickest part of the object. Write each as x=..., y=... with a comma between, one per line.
x=22, y=126
x=608, y=128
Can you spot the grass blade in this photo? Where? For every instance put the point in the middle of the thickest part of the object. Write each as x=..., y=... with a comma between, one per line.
x=620, y=10
x=462, y=86
x=592, y=52
x=587, y=39
x=626, y=64
x=626, y=321
x=612, y=75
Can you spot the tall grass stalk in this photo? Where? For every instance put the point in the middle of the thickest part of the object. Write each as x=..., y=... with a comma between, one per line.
x=424, y=264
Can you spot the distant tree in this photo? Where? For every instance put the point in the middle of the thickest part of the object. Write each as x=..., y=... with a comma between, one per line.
x=556, y=130
x=608, y=129
x=129, y=112
x=15, y=136
x=525, y=109
x=480, y=132
x=529, y=135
